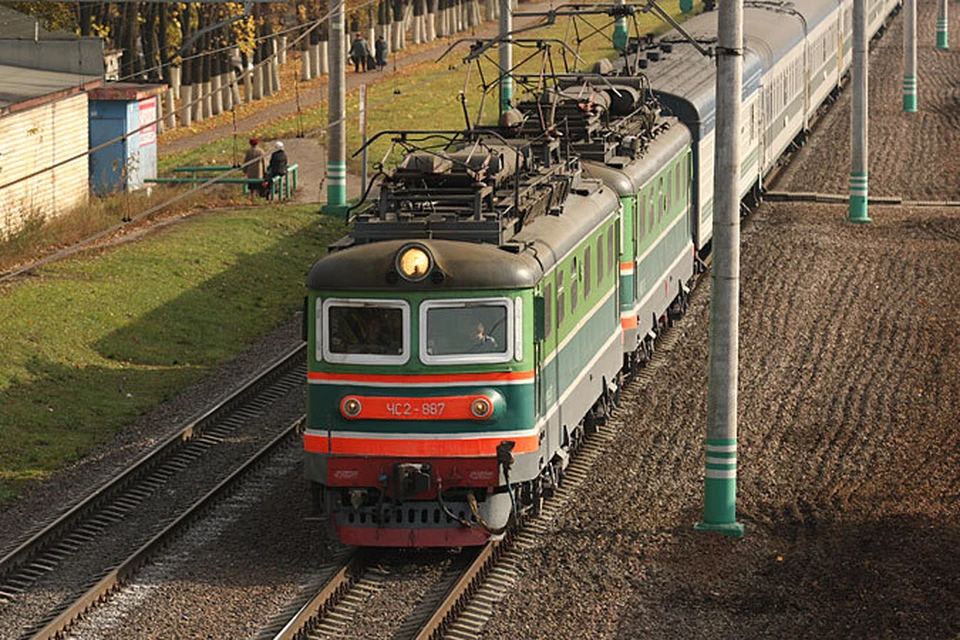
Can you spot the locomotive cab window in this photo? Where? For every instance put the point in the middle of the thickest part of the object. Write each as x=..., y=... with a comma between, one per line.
x=476, y=330
x=365, y=331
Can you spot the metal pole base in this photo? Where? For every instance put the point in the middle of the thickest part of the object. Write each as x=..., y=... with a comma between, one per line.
x=858, y=211
x=335, y=209
x=910, y=94
x=858, y=198
x=731, y=530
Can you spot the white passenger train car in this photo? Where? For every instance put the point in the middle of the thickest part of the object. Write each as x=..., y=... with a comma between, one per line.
x=796, y=55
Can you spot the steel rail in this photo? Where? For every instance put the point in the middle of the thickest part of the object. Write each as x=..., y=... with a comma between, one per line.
x=462, y=590
x=327, y=597
x=114, y=488
x=132, y=564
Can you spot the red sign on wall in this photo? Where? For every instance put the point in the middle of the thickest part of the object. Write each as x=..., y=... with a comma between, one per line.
x=148, y=113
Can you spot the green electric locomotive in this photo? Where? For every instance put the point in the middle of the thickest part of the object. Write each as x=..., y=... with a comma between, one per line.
x=475, y=323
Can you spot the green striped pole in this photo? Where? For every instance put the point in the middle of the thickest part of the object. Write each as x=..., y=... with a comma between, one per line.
x=942, y=27
x=910, y=56
x=859, y=75
x=336, y=118
x=720, y=477
x=336, y=186
x=506, y=55
x=506, y=93
x=720, y=488
x=858, y=198
x=620, y=30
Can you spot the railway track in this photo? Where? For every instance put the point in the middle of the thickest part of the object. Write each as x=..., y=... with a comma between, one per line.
x=453, y=599
x=51, y=578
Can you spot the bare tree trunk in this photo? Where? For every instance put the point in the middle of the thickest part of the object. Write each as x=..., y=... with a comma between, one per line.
x=324, y=44
x=148, y=36
x=128, y=29
x=86, y=19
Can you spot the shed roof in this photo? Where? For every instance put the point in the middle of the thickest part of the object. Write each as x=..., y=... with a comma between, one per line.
x=22, y=88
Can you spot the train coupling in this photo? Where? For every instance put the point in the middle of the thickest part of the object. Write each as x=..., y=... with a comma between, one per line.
x=411, y=478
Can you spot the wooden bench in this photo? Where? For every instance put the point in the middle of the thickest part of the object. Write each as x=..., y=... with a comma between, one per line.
x=281, y=187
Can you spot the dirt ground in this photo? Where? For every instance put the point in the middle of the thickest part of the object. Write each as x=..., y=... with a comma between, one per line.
x=849, y=415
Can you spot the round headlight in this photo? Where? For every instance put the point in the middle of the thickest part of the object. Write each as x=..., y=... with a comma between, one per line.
x=413, y=263
x=481, y=408
x=351, y=407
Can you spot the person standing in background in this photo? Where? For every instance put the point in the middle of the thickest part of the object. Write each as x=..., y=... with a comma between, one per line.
x=380, y=51
x=359, y=52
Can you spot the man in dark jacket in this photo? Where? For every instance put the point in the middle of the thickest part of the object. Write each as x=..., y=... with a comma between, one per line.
x=359, y=52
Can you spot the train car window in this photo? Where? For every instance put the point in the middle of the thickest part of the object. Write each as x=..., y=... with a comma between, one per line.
x=560, y=296
x=612, y=254
x=676, y=186
x=586, y=272
x=318, y=330
x=651, y=213
x=547, y=311
x=365, y=331
x=641, y=214
x=574, y=289
x=470, y=330
x=663, y=201
x=600, y=270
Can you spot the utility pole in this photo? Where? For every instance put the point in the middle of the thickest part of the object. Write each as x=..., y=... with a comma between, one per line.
x=859, y=73
x=506, y=55
x=910, y=56
x=942, y=42
x=336, y=118
x=720, y=482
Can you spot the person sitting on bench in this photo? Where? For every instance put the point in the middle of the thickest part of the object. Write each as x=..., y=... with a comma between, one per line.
x=278, y=166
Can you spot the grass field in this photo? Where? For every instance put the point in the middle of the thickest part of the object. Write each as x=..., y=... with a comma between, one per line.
x=90, y=343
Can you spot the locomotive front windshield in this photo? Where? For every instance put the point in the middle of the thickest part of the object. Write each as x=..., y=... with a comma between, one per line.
x=466, y=330
x=365, y=331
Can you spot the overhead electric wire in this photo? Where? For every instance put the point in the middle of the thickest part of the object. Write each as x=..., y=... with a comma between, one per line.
x=84, y=244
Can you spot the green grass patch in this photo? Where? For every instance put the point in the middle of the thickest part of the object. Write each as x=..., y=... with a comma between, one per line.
x=91, y=343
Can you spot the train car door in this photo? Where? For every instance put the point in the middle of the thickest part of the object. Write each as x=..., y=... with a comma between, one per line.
x=545, y=354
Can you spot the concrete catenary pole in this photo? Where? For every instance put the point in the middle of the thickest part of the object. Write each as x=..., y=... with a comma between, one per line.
x=336, y=118
x=859, y=73
x=910, y=56
x=720, y=482
x=506, y=56
x=942, y=40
